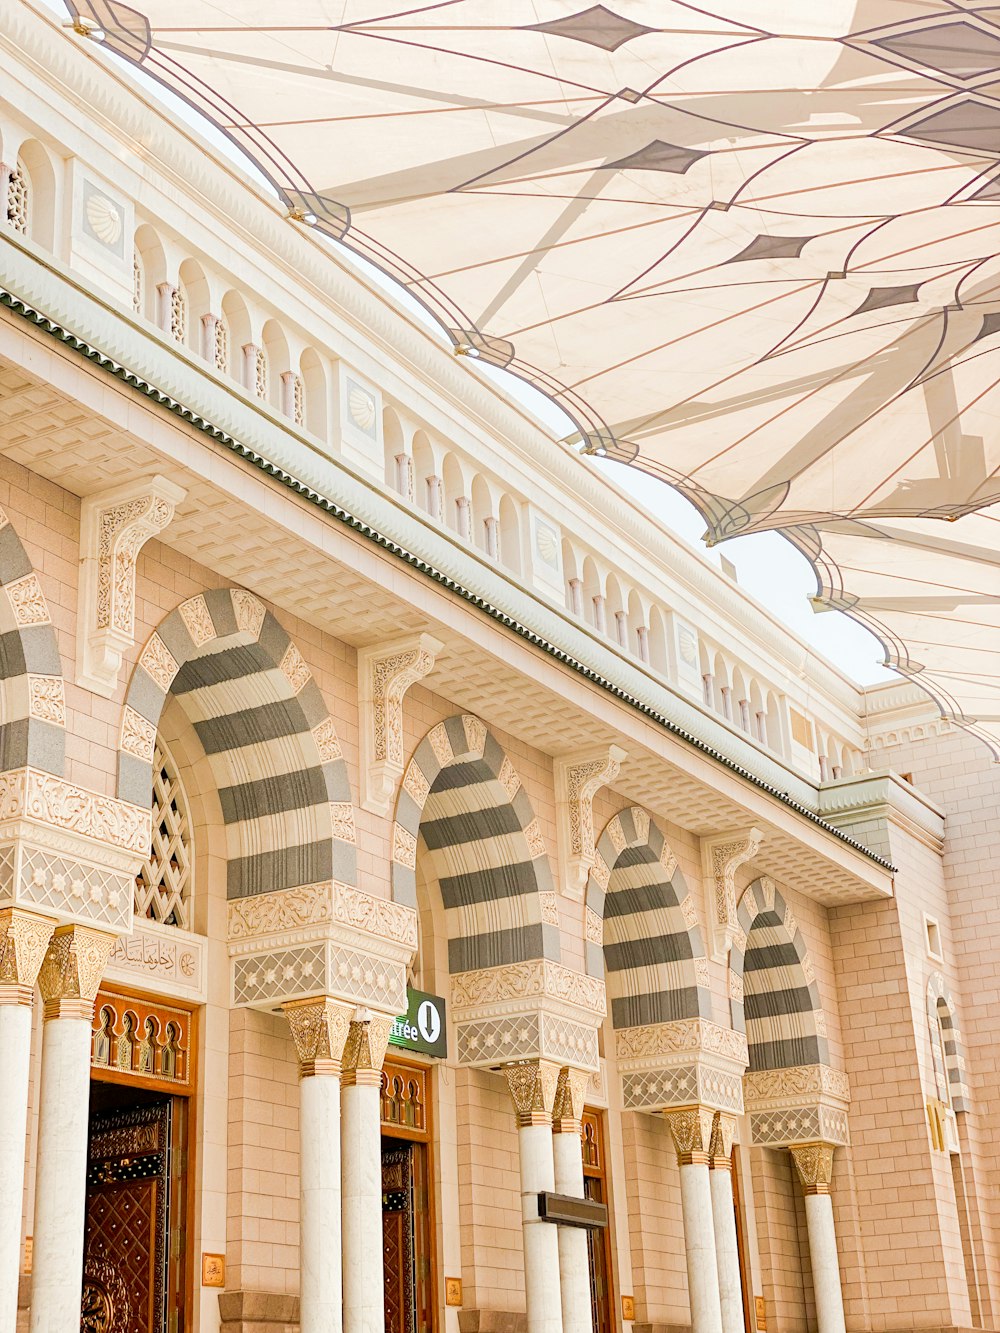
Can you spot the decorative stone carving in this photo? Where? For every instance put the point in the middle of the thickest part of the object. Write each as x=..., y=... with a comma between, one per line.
x=321, y=939
x=721, y=857
x=319, y=1030
x=161, y=959
x=114, y=526
x=385, y=673
x=798, y=1124
x=71, y=971
x=676, y=1064
x=47, y=699
x=532, y=1085
x=787, y=1106
x=579, y=777
x=364, y=1050
x=691, y=1129
x=30, y=794
x=518, y=981
x=24, y=939
x=537, y=1009
x=814, y=1164
x=769, y=1088
x=567, y=1109
x=720, y=1150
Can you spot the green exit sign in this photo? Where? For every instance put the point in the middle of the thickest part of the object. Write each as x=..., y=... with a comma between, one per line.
x=422, y=1028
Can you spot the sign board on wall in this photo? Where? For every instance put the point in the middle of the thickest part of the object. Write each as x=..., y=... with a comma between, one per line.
x=422, y=1028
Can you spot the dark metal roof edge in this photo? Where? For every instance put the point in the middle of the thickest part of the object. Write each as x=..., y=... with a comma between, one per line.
x=106, y=363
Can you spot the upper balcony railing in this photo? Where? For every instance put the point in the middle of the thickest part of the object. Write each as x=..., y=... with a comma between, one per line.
x=633, y=586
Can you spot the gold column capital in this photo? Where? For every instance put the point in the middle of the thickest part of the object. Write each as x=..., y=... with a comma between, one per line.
x=532, y=1085
x=319, y=1031
x=364, y=1051
x=71, y=971
x=567, y=1106
x=691, y=1127
x=24, y=938
x=720, y=1149
x=814, y=1164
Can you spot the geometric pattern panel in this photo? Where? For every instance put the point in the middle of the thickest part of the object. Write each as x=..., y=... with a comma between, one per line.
x=774, y=997
x=462, y=801
x=265, y=731
x=652, y=950
x=163, y=884
x=799, y=1124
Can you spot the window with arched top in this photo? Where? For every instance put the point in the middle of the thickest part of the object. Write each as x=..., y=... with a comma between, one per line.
x=18, y=199
x=163, y=885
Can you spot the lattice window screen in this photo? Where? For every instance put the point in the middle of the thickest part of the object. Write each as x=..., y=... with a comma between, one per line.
x=18, y=200
x=163, y=886
x=178, y=314
x=261, y=375
x=222, y=346
x=138, y=284
x=298, y=401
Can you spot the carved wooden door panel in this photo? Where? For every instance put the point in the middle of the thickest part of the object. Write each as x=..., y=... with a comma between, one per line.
x=125, y=1245
x=397, y=1235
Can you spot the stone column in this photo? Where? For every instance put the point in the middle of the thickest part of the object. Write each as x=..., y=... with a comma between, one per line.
x=24, y=939
x=727, y=1252
x=532, y=1085
x=319, y=1030
x=574, y=1261
x=361, y=1139
x=814, y=1163
x=691, y=1127
x=69, y=977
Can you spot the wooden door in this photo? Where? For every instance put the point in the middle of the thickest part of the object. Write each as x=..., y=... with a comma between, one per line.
x=126, y=1285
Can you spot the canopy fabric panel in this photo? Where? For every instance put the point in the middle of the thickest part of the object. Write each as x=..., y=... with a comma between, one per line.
x=931, y=593
x=750, y=247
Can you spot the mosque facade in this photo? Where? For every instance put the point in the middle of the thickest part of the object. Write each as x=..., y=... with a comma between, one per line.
x=432, y=898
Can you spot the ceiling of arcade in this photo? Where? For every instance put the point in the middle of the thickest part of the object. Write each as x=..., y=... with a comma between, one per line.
x=481, y=669
x=749, y=245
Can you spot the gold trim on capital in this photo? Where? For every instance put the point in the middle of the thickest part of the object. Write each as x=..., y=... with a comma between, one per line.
x=71, y=971
x=691, y=1128
x=364, y=1051
x=319, y=1030
x=567, y=1107
x=24, y=939
x=814, y=1164
x=720, y=1148
x=532, y=1085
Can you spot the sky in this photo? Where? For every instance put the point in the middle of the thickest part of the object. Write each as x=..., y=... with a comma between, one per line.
x=767, y=566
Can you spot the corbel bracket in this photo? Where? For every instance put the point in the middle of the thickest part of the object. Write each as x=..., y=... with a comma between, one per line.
x=721, y=857
x=579, y=777
x=385, y=673
x=114, y=526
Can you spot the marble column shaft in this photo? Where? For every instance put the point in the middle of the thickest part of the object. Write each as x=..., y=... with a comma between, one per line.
x=574, y=1258
x=691, y=1128
x=814, y=1163
x=361, y=1142
x=23, y=941
x=532, y=1085
x=727, y=1250
x=319, y=1030
x=69, y=977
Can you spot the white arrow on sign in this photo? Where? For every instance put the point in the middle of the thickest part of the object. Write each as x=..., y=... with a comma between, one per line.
x=429, y=1021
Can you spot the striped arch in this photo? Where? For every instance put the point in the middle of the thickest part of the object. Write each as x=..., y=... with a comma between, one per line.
x=774, y=998
x=462, y=796
x=642, y=927
x=267, y=735
x=946, y=1045
x=32, y=693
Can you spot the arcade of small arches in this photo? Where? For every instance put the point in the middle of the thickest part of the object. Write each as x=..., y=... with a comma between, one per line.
x=307, y=940
x=257, y=349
